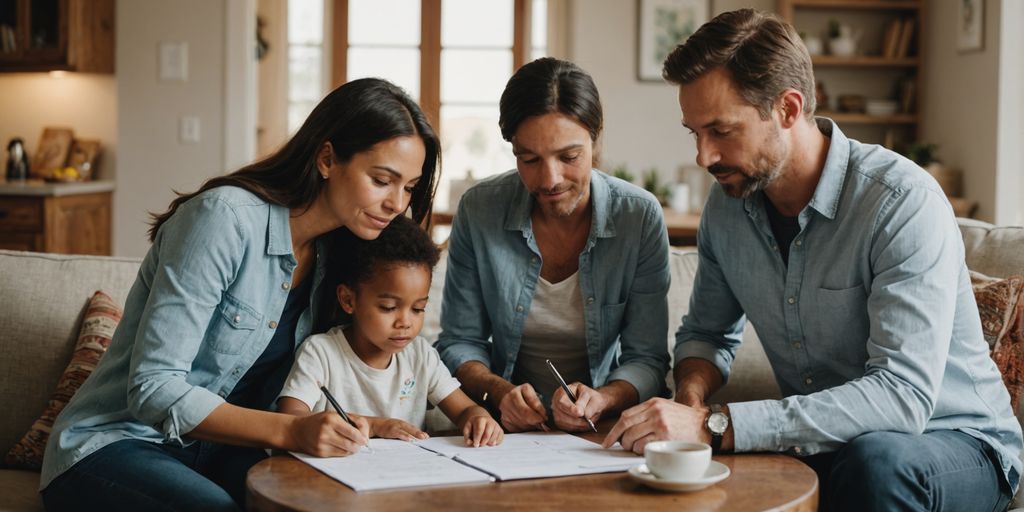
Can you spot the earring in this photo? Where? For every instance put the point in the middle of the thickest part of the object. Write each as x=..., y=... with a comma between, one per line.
x=323, y=176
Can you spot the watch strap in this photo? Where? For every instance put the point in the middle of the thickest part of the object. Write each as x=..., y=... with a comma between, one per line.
x=716, y=437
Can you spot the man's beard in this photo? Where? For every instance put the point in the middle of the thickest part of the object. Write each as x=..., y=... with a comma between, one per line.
x=767, y=168
x=566, y=206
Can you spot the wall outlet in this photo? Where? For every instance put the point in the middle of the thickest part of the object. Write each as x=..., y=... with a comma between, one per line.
x=173, y=62
x=188, y=129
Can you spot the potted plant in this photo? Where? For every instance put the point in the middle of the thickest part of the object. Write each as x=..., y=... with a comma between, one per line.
x=653, y=185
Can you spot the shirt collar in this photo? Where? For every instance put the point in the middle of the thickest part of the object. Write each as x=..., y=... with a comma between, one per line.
x=279, y=231
x=830, y=185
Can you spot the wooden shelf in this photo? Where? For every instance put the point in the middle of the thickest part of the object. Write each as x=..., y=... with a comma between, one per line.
x=856, y=118
x=868, y=61
x=900, y=5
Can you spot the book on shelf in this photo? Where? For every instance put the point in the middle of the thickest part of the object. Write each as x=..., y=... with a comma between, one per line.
x=906, y=36
x=891, y=38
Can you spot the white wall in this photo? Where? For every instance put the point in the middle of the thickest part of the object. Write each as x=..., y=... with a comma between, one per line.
x=1010, y=144
x=152, y=162
x=961, y=102
x=641, y=119
x=86, y=103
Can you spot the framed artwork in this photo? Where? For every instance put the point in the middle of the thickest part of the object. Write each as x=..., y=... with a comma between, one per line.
x=661, y=26
x=970, y=26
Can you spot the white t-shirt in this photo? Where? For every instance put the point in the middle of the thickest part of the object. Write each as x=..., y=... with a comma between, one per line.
x=401, y=391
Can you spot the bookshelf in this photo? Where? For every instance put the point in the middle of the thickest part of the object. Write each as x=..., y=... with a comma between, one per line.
x=886, y=66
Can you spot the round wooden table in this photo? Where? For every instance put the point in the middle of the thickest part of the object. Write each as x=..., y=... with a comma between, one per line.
x=757, y=482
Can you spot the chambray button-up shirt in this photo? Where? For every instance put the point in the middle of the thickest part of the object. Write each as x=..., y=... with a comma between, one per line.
x=494, y=265
x=871, y=327
x=203, y=308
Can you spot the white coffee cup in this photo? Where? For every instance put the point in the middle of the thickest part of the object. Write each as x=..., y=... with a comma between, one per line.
x=677, y=460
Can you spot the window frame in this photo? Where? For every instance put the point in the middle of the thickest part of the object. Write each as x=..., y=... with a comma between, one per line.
x=430, y=49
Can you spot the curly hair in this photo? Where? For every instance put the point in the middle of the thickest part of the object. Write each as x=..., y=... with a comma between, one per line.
x=403, y=242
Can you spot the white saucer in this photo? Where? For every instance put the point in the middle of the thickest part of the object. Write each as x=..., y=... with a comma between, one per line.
x=715, y=473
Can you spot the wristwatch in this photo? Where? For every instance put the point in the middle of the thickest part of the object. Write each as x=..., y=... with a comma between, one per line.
x=717, y=423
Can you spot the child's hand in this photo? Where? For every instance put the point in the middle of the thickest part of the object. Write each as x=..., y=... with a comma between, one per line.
x=482, y=430
x=325, y=434
x=395, y=429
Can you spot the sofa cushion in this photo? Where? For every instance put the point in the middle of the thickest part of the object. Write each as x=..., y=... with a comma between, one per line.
x=1001, y=305
x=993, y=250
x=42, y=308
x=101, y=318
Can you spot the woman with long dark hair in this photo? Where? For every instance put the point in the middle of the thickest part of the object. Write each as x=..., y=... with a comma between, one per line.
x=178, y=409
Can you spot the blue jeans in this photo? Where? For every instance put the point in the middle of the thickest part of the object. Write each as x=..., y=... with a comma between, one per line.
x=891, y=471
x=140, y=475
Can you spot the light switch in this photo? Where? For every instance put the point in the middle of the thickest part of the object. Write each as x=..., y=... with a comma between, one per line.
x=173, y=62
x=188, y=130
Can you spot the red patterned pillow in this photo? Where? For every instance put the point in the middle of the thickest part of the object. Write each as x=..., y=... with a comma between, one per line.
x=101, y=317
x=1001, y=305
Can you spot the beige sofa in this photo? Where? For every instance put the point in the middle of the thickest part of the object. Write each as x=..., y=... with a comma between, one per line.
x=42, y=297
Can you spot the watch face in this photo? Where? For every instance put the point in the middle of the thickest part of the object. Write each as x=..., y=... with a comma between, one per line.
x=718, y=422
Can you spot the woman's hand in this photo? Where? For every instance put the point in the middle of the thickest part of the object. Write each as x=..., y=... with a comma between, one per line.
x=590, y=404
x=393, y=429
x=326, y=434
x=480, y=429
x=521, y=410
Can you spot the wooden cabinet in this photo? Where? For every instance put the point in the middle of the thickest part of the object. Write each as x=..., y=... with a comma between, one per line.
x=49, y=35
x=885, y=67
x=48, y=218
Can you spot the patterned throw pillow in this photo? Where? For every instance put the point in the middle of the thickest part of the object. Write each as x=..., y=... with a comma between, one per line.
x=1001, y=305
x=101, y=317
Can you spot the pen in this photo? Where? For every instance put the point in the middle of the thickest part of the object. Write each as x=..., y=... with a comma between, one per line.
x=337, y=407
x=568, y=391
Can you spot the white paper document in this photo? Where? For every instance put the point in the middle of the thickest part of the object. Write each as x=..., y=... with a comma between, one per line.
x=447, y=460
x=394, y=464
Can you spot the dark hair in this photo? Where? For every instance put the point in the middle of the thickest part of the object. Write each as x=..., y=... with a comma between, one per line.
x=764, y=54
x=353, y=118
x=550, y=85
x=403, y=242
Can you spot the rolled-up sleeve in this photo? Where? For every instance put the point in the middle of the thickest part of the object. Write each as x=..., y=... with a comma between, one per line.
x=644, y=360
x=199, y=255
x=465, y=326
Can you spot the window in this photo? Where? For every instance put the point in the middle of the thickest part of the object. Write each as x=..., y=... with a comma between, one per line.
x=454, y=57
x=306, y=83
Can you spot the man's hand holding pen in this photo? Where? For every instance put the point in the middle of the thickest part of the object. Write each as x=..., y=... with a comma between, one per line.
x=569, y=417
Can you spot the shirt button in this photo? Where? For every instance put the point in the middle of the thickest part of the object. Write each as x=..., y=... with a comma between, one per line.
x=519, y=309
x=796, y=344
x=285, y=286
x=799, y=242
x=808, y=381
x=533, y=260
x=791, y=300
x=796, y=449
x=775, y=247
x=238, y=318
x=590, y=300
x=273, y=324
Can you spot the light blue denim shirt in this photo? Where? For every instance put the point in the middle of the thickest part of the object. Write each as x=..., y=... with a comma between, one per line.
x=872, y=327
x=203, y=307
x=494, y=265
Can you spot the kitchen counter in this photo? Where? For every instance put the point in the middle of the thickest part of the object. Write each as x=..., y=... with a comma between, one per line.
x=45, y=188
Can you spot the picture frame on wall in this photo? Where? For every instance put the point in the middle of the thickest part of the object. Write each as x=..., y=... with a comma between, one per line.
x=970, y=26
x=661, y=26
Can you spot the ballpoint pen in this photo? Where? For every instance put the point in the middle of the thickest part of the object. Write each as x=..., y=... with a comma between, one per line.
x=337, y=407
x=568, y=391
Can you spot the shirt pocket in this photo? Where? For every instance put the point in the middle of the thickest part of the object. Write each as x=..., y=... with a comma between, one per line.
x=840, y=323
x=611, y=321
x=232, y=326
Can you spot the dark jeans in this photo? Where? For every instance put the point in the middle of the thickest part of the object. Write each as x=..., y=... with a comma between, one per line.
x=139, y=475
x=890, y=471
